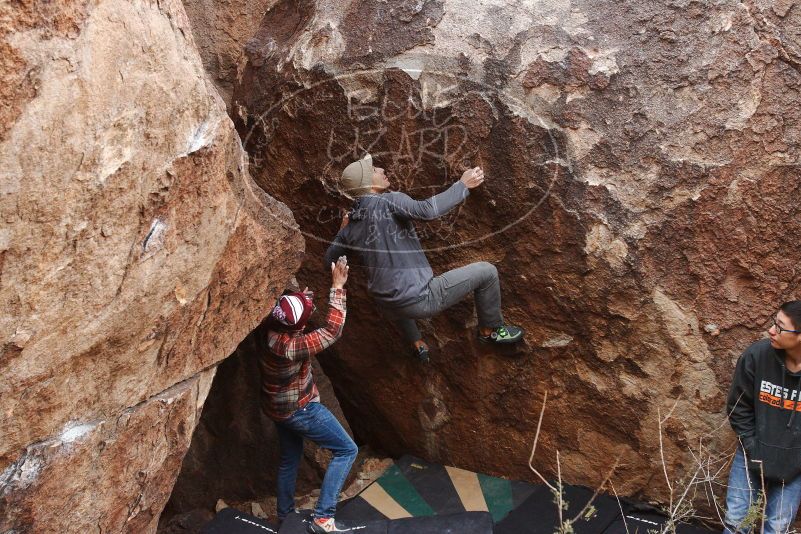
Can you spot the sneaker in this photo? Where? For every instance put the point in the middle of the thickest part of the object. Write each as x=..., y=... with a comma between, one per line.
x=421, y=353
x=322, y=525
x=503, y=335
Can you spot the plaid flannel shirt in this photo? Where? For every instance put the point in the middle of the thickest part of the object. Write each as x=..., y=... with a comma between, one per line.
x=287, y=381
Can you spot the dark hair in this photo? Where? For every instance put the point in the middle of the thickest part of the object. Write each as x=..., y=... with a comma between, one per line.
x=272, y=324
x=792, y=309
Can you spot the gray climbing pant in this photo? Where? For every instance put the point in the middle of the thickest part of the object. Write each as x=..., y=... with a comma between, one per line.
x=447, y=289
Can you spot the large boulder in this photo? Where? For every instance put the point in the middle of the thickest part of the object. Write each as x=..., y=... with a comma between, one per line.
x=135, y=254
x=641, y=205
x=221, y=29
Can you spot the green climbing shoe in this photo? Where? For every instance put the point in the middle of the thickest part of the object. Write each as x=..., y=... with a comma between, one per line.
x=503, y=335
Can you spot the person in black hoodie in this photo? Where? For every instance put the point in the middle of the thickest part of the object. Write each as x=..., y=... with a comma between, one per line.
x=763, y=405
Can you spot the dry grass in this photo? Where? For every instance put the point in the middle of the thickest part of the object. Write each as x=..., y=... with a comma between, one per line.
x=702, y=484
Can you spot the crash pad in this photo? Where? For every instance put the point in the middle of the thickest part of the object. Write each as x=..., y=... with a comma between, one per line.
x=538, y=513
x=647, y=522
x=460, y=523
x=297, y=523
x=415, y=488
x=231, y=521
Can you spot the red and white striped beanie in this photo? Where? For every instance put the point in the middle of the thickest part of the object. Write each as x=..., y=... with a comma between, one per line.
x=292, y=311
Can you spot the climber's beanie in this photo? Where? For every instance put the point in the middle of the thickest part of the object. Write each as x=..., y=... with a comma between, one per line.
x=357, y=178
x=292, y=312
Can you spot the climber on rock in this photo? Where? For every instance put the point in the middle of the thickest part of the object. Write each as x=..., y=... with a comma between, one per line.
x=380, y=229
x=763, y=402
x=290, y=397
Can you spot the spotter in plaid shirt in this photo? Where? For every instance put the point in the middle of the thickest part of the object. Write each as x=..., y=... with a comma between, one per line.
x=287, y=381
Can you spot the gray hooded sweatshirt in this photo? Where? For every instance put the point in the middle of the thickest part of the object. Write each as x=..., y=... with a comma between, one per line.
x=381, y=233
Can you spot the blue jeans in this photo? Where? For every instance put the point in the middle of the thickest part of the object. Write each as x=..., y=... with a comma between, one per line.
x=315, y=423
x=781, y=506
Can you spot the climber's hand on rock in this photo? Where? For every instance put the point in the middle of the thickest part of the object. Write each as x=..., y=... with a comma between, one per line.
x=339, y=272
x=473, y=177
x=345, y=221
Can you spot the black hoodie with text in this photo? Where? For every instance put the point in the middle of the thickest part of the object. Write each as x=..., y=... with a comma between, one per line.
x=763, y=405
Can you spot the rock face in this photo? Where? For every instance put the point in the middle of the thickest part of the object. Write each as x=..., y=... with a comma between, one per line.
x=641, y=202
x=221, y=30
x=135, y=254
x=116, y=473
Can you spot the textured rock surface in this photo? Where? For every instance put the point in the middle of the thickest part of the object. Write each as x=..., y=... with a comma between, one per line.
x=221, y=29
x=642, y=194
x=135, y=254
x=113, y=475
x=234, y=451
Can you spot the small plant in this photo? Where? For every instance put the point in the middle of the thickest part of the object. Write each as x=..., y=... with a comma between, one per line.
x=753, y=518
x=588, y=511
x=701, y=481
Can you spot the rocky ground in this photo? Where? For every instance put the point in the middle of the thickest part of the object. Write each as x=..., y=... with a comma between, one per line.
x=365, y=471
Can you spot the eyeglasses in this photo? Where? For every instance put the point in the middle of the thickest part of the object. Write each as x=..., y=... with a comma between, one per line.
x=779, y=329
